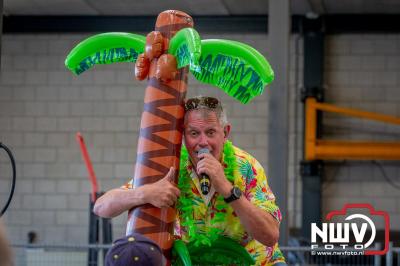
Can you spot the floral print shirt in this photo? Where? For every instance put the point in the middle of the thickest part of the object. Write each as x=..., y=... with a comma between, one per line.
x=250, y=177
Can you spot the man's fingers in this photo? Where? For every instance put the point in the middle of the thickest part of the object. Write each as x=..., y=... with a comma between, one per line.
x=176, y=191
x=203, y=156
x=172, y=174
x=174, y=197
x=205, y=164
x=170, y=203
x=200, y=165
x=202, y=170
x=165, y=203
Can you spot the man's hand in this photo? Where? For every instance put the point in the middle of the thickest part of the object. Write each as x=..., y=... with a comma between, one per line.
x=213, y=168
x=163, y=193
x=258, y=223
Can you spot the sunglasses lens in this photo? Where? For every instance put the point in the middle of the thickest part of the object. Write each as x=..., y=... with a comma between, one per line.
x=195, y=103
x=211, y=102
x=192, y=104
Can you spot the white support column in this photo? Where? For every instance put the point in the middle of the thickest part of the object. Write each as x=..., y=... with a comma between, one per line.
x=279, y=27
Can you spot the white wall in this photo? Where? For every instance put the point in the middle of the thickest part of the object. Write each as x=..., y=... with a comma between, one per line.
x=362, y=72
x=42, y=106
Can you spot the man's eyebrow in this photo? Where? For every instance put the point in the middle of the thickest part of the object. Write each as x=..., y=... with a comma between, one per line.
x=205, y=129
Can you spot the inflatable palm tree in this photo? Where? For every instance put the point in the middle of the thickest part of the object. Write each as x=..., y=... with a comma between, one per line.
x=164, y=57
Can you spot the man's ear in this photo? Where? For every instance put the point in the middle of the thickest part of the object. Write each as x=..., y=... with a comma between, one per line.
x=227, y=130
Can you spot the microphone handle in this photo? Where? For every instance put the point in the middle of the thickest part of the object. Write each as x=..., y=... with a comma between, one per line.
x=205, y=184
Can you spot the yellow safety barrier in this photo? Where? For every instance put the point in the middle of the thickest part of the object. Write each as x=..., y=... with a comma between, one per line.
x=317, y=149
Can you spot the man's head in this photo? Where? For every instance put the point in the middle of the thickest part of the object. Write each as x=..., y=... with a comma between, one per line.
x=206, y=126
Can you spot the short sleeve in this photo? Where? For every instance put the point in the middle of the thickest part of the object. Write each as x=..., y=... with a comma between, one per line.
x=257, y=190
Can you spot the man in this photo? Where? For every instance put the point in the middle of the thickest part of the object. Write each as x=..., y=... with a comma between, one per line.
x=249, y=215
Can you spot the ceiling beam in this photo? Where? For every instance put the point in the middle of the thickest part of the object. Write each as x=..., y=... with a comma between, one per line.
x=57, y=24
x=333, y=24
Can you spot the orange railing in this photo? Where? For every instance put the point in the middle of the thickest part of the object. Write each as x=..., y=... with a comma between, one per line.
x=317, y=149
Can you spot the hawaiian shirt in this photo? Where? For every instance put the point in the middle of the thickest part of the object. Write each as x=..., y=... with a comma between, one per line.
x=250, y=177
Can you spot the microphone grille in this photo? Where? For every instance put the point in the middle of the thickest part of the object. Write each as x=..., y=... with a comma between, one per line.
x=204, y=150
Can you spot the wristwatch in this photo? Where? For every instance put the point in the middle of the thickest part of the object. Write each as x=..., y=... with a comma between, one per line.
x=236, y=193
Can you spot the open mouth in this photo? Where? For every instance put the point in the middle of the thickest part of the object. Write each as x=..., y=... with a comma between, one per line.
x=197, y=152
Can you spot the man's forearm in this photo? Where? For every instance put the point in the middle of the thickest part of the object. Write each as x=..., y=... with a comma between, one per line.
x=117, y=201
x=258, y=223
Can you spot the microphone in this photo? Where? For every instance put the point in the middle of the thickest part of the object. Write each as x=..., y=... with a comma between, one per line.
x=204, y=179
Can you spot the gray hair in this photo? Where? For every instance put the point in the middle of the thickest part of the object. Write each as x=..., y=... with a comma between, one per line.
x=219, y=111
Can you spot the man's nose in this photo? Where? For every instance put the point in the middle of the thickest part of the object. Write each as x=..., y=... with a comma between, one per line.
x=203, y=140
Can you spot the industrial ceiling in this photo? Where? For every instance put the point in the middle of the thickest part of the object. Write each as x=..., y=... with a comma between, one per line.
x=193, y=7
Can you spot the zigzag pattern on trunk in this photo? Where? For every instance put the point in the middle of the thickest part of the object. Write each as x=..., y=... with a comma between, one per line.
x=149, y=132
x=147, y=215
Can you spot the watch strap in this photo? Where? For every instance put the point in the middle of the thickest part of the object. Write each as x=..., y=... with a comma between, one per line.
x=233, y=196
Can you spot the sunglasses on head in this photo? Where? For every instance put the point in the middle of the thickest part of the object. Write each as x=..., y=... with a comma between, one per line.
x=196, y=103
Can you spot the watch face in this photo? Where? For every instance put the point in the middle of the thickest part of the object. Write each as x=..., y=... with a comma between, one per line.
x=237, y=192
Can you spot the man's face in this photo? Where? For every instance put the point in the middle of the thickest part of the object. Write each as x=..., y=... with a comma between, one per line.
x=203, y=130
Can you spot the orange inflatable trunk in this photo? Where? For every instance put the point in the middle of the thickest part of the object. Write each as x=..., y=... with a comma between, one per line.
x=160, y=138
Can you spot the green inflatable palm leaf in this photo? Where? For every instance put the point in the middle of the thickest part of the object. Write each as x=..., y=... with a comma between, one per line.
x=105, y=48
x=186, y=47
x=237, y=68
